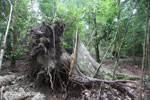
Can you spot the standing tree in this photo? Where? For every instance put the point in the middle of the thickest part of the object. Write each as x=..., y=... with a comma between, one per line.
x=3, y=45
x=96, y=40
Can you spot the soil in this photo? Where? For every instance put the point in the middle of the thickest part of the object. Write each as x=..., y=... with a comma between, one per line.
x=126, y=67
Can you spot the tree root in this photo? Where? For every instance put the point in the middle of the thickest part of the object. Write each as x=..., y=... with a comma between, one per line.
x=23, y=97
x=87, y=81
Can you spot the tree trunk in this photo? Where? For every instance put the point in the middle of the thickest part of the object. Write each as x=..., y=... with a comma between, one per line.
x=15, y=35
x=96, y=44
x=119, y=9
x=9, y=46
x=148, y=47
x=133, y=44
x=3, y=46
x=13, y=60
x=144, y=63
x=97, y=53
x=147, y=43
x=126, y=30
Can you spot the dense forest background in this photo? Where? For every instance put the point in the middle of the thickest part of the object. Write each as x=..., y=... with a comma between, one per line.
x=119, y=28
x=99, y=21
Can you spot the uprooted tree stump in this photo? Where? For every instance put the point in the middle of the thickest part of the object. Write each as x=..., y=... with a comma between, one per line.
x=45, y=55
x=50, y=63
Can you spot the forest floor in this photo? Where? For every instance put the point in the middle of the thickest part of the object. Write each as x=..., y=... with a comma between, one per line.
x=126, y=66
x=24, y=84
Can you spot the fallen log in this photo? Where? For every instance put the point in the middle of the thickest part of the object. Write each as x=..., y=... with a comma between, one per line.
x=50, y=63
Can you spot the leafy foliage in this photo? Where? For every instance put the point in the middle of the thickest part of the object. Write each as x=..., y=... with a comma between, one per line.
x=111, y=17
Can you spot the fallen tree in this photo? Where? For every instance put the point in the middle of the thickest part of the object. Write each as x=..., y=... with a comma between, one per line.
x=50, y=63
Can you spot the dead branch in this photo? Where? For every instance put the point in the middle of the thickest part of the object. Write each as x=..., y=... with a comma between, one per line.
x=74, y=55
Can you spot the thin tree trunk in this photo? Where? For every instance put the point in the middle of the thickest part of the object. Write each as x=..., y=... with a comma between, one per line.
x=15, y=36
x=133, y=44
x=148, y=40
x=8, y=44
x=106, y=53
x=3, y=46
x=124, y=35
x=148, y=53
x=142, y=70
x=109, y=47
x=144, y=54
x=13, y=60
x=96, y=42
x=97, y=53
x=54, y=10
x=116, y=58
x=126, y=30
x=119, y=9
